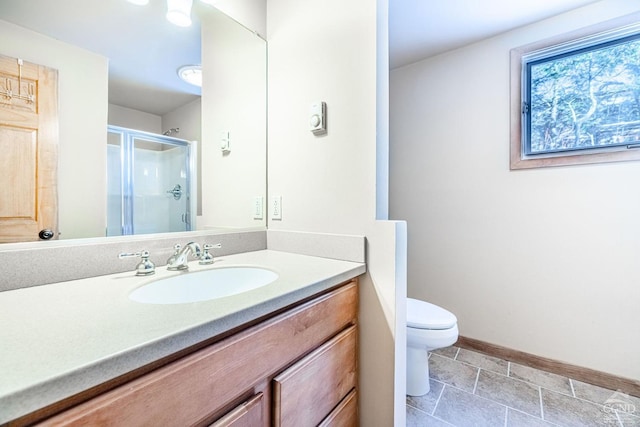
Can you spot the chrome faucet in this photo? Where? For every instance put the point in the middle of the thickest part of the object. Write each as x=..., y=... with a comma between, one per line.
x=179, y=260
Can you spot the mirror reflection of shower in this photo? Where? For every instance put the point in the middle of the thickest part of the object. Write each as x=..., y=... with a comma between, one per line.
x=150, y=180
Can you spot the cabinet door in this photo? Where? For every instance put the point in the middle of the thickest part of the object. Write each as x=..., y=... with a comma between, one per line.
x=305, y=394
x=345, y=414
x=249, y=414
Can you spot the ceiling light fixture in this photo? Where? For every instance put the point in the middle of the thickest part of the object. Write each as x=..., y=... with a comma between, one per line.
x=191, y=74
x=179, y=12
x=139, y=2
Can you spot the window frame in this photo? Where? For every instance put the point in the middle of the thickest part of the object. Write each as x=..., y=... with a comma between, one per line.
x=575, y=40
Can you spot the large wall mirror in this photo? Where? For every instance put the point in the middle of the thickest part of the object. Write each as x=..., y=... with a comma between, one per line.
x=97, y=89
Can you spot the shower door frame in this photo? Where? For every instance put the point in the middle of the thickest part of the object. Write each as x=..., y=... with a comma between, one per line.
x=127, y=182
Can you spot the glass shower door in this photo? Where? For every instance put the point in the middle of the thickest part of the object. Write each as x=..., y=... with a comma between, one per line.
x=155, y=184
x=115, y=145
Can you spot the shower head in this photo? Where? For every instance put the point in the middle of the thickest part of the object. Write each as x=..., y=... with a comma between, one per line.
x=171, y=131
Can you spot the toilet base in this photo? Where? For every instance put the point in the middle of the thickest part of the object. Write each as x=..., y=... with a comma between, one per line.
x=417, y=371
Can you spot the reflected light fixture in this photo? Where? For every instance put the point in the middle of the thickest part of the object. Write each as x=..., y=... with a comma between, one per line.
x=191, y=74
x=179, y=12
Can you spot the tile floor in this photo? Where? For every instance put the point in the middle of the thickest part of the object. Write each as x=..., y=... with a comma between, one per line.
x=472, y=389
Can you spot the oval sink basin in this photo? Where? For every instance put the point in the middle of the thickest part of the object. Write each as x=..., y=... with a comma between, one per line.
x=203, y=285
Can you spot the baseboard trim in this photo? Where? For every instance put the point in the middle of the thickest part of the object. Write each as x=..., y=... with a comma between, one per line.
x=587, y=375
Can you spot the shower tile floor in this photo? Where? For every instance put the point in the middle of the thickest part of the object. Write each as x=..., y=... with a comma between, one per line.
x=473, y=389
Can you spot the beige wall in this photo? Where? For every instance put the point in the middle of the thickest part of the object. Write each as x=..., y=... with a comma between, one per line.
x=543, y=261
x=250, y=13
x=327, y=51
x=134, y=119
x=187, y=118
x=82, y=82
x=234, y=100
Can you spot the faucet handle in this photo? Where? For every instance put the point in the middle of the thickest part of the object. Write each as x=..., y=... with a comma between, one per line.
x=176, y=252
x=206, y=257
x=144, y=267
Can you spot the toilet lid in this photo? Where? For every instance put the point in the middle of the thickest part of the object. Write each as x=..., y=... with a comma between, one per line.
x=424, y=315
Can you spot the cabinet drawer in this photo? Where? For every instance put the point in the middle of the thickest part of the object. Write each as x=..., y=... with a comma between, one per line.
x=345, y=414
x=305, y=394
x=248, y=414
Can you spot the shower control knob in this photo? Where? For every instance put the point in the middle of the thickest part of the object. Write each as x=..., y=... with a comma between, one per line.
x=46, y=234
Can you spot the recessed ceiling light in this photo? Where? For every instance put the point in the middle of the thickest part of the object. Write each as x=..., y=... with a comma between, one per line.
x=179, y=12
x=191, y=74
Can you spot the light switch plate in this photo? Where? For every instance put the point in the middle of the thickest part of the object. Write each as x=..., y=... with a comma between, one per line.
x=276, y=207
x=225, y=141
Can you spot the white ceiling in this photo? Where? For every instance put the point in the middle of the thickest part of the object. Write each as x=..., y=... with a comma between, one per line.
x=145, y=50
x=419, y=29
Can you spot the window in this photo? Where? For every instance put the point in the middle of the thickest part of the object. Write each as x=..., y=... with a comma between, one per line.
x=576, y=99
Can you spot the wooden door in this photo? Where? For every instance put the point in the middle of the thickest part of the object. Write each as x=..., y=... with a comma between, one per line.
x=28, y=150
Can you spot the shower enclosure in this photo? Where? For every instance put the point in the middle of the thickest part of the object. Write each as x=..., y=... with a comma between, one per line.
x=150, y=179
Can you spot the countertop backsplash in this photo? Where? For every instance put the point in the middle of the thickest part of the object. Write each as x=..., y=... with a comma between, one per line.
x=32, y=264
x=24, y=265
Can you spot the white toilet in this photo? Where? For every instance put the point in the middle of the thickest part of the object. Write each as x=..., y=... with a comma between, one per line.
x=429, y=327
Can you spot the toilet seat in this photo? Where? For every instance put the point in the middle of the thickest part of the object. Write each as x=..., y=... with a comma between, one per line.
x=424, y=315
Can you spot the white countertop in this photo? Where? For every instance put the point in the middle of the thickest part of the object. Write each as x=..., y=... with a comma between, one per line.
x=60, y=339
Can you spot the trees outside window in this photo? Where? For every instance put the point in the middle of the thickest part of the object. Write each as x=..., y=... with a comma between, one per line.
x=577, y=100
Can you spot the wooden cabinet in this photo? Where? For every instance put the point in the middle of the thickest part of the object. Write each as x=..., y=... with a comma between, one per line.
x=345, y=414
x=297, y=368
x=299, y=399
x=248, y=414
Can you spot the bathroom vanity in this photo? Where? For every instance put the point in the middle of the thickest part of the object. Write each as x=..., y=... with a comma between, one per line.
x=284, y=354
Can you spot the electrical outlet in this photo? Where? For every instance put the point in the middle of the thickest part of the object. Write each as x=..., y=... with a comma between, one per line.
x=258, y=207
x=276, y=207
